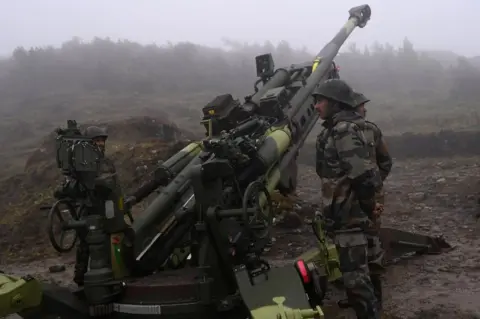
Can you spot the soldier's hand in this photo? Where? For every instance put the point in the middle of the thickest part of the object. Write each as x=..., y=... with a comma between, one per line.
x=368, y=206
x=378, y=209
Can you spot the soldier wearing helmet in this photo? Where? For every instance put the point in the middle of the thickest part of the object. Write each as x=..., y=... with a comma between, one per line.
x=380, y=156
x=349, y=181
x=106, y=180
x=106, y=193
x=98, y=135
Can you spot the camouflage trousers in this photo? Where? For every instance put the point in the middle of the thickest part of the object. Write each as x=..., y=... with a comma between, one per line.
x=376, y=256
x=376, y=252
x=352, y=247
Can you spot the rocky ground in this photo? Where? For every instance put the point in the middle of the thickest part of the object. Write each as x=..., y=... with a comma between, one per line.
x=437, y=197
x=429, y=196
x=432, y=196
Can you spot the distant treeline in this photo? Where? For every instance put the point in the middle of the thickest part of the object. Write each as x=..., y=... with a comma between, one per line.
x=398, y=80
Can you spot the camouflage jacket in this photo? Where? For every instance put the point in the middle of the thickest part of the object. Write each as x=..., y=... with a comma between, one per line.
x=378, y=154
x=109, y=199
x=106, y=181
x=342, y=156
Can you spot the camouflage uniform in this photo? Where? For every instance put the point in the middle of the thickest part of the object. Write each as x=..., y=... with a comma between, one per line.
x=380, y=156
x=106, y=187
x=349, y=180
x=378, y=149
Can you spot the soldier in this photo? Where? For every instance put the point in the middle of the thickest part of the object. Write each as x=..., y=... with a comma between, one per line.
x=349, y=180
x=106, y=187
x=379, y=151
x=380, y=156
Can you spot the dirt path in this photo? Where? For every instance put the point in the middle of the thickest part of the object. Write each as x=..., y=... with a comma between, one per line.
x=427, y=196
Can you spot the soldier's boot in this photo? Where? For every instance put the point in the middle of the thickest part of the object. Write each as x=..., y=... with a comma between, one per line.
x=81, y=264
x=377, y=288
x=344, y=304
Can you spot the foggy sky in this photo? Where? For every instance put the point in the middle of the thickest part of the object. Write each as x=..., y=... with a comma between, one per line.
x=434, y=25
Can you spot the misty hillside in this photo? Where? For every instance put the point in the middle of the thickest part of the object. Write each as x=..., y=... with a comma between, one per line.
x=41, y=88
x=121, y=67
x=396, y=77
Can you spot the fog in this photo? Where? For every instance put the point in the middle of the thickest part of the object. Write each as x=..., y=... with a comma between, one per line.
x=433, y=25
x=94, y=60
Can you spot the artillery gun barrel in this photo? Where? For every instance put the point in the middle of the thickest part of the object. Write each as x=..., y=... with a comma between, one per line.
x=279, y=140
x=359, y=16
x=178, y=161
x=176, y=223
x=160, y=207
x=167, y=170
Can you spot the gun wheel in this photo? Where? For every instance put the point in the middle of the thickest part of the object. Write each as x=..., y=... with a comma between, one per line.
x=259, y=224
x=61, y=212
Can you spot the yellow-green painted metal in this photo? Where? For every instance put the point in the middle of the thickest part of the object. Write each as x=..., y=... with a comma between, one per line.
x=180, y=159
x=192, y=147
x=283, y=138
x=282, y=135
x=177, y=258
x=276, y=142
x=273, y=177
x=325, y=255
x=17, y=294
x=280, y=311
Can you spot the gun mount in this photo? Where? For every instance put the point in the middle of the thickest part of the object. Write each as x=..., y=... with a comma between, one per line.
x=198, y=246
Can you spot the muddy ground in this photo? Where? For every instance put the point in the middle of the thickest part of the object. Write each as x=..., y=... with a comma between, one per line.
x=432, y=196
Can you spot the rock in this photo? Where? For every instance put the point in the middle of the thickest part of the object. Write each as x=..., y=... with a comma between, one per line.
x=471, y=197
x=56, y=268
x=291, y=220
x=305, y=211
x=417, y=197
x=427, y=209
x=442, y=196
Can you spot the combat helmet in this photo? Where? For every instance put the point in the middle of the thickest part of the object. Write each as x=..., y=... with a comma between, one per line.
x=95, y=131
x=337, y=90
x=360, y=99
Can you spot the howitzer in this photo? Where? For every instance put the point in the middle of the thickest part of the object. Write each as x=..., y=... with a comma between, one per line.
x=259, y=139
x=198, y=246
